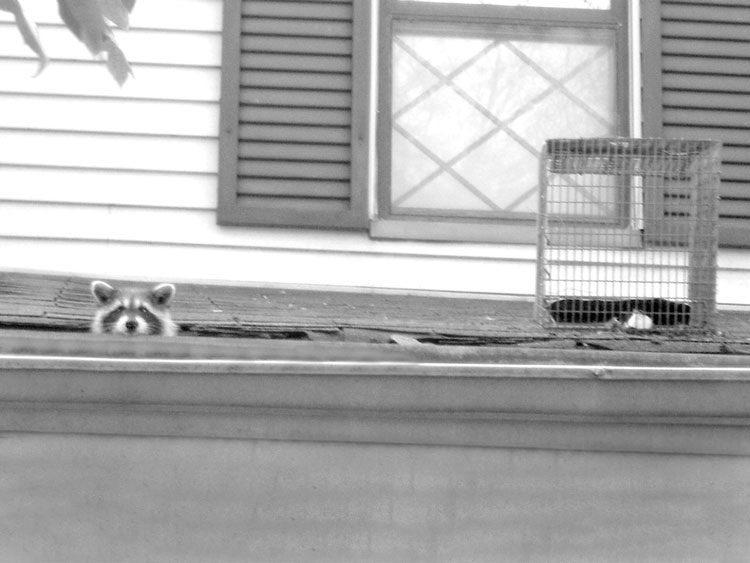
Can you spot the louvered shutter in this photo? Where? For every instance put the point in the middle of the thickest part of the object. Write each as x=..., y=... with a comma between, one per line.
x=696, y=62
x=294, y=113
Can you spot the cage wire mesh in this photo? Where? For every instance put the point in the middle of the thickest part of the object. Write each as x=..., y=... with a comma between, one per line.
x=628, y=234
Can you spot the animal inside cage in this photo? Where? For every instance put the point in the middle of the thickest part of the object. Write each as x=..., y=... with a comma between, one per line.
x=628, y=234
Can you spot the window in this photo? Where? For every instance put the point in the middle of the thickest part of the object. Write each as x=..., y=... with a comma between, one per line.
x=470, y=90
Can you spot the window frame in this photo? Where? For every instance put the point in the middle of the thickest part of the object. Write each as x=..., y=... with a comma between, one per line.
x=521, y=229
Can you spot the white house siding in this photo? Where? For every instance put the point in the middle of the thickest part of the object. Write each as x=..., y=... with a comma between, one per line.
x=104, y=181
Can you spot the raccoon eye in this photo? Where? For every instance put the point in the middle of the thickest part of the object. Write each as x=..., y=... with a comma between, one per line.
x=142, y=309
x=120, y=309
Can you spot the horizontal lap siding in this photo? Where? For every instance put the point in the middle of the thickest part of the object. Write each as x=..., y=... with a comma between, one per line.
x=705, y=64
x=73, y=138
x=294, y=117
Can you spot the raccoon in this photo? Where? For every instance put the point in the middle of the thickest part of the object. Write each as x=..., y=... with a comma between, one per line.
x=133, y=311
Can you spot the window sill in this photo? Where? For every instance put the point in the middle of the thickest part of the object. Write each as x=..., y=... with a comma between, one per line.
x=505, y=232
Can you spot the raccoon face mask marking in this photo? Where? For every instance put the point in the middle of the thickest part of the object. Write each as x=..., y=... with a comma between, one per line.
x=133, y=311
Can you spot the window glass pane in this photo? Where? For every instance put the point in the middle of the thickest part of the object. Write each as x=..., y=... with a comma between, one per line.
x=471, y=113
x=591, y=197
x=580, y=4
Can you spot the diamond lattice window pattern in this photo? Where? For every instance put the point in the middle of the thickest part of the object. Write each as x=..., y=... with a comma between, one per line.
x=470, y=114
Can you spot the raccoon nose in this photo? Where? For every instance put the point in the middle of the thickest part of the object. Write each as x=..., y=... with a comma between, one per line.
x=131, y=326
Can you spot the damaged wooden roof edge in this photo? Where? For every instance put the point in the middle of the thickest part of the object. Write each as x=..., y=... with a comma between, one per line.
x=194, y=349
x=52, y=305
x=428, y=395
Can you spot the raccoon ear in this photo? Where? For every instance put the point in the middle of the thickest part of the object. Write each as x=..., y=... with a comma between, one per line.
x=102, y=292
x=162, y=294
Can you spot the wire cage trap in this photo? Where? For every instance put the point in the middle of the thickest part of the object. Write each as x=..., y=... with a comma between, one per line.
x=628, y=234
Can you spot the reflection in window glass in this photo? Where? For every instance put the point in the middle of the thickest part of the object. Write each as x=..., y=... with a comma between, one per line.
x=470, y=114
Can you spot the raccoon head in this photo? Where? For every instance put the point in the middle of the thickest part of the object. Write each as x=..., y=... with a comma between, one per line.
x=133, y=311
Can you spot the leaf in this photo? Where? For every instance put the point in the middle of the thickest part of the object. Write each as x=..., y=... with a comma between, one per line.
x=116, y=12
x=117, y=64
x=86, y=20
x=9, y=6
x=28, y=30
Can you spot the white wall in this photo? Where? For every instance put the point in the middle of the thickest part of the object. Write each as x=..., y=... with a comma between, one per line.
x=104, y=181
x=116, y=499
